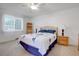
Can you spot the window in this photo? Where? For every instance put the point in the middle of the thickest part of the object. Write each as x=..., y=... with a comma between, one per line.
x=11, y=23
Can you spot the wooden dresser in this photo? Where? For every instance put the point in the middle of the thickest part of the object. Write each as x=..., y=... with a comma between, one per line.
x=63, y=40
x=29, y=27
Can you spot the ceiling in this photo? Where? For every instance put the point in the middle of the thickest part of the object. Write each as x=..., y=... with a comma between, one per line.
x=45, y=8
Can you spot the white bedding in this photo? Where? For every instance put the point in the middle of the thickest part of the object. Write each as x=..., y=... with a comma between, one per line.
x=41, y=41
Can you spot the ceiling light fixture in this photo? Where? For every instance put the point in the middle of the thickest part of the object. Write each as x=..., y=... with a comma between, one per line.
x=34, y=6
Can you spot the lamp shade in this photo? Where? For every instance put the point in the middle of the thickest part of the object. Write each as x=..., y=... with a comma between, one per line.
x=61, y=26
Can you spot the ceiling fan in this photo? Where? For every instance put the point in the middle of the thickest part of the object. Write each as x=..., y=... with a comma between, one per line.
x=34, y=6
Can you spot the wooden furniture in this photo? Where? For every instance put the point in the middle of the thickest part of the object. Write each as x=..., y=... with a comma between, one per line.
x=78, y=42
x=63, y=40
x=29, y=27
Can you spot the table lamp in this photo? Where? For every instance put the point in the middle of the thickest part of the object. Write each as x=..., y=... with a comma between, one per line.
x=62, y=27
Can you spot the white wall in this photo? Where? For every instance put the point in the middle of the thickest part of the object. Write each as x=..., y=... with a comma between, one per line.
x=70, y=18
x=6, y=36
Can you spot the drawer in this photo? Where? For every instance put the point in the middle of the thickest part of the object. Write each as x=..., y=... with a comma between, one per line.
x=63, y=39
x=63, y=42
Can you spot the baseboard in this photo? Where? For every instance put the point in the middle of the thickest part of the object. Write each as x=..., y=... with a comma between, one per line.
x=7, y=41
x=72, y=45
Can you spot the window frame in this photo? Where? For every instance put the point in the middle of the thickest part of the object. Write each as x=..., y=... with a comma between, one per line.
x=21, y=24
x=12, y=30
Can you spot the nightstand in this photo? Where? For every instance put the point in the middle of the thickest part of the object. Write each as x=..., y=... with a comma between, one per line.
x=63, y=40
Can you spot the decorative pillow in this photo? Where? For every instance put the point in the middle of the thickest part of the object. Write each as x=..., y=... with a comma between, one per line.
x=51, y=31
x=47, y=31
x=43, y=31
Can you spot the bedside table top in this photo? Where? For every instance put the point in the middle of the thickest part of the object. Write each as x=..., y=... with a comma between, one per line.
x=64, y=36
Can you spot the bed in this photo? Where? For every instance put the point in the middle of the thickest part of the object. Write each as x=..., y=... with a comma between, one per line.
x=39, y=44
